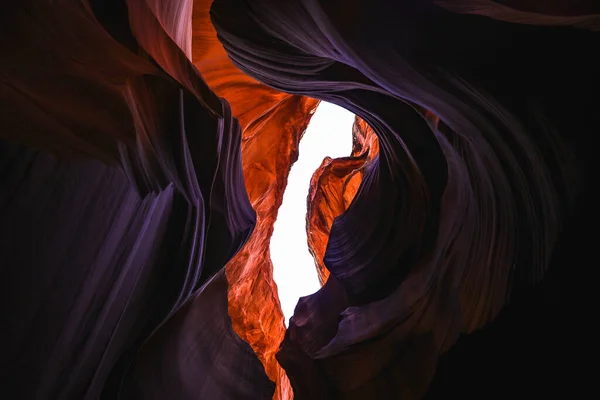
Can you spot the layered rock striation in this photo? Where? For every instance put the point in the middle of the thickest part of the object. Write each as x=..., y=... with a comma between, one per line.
x=145, y=147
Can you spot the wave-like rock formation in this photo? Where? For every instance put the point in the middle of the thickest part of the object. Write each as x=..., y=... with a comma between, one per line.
x=144, y=151
x=272, y=124
x=106, y=266
x=332, y=189
x=453, y=216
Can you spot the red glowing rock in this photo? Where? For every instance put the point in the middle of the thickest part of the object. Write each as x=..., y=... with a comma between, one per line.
x=135, y=259
x=272, y=124
x=333, y=187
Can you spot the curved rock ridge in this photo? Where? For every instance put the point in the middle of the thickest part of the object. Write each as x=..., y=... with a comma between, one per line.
x=333, y=187
x=113, y=283
x=144, y=154
x=459, y=211
x=581, y=14
x=268, y=152
x=272, y=123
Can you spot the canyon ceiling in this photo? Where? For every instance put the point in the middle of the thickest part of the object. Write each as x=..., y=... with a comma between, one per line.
x=145, y=147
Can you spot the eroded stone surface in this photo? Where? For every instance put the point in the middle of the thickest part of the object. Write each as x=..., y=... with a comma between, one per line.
x=333, y=187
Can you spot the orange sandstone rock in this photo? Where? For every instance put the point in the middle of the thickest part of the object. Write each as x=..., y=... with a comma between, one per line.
x=272, y=124
x=332, y=189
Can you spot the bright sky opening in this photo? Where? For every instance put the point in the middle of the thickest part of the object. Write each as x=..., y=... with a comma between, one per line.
x=329, y=133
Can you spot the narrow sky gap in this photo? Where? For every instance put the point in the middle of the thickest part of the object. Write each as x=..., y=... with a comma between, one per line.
x=329, y=133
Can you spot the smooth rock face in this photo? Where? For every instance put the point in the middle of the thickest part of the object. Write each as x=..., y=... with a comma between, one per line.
x=333, y=187
x=106, y=266
x=461, y=208
x=272, y=124
x=144, y=155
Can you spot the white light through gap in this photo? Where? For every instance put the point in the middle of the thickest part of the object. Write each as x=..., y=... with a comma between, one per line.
x=329, y=133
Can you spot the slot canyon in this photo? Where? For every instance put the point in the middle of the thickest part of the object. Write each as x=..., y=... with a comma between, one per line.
x=328, y=136
x=154, y=243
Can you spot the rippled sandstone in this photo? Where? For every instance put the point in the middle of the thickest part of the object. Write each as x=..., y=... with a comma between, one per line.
x=144, y=154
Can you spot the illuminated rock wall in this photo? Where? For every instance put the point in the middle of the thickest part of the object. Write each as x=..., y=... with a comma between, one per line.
x=463, y=204
x=333, y=187
x=272, y=124
x=141, y=172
